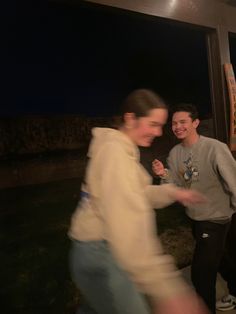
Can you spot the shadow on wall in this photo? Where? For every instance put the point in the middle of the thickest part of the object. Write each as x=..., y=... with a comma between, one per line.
x=38, y=149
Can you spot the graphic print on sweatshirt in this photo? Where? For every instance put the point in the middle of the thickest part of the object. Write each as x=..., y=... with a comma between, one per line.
x=190, y=172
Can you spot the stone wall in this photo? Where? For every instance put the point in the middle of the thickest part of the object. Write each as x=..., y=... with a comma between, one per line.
x=31, y=135
x=38, y=149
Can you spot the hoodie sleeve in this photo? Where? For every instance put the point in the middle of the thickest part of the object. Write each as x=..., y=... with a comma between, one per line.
x=130, y=226
x=160, y=195
x=226, y=167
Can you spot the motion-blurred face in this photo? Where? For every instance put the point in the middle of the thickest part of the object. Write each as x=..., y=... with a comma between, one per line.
x=147, y=128
x=183, y=126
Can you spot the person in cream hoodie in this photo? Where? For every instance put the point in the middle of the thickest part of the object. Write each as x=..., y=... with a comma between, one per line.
x=116, y=259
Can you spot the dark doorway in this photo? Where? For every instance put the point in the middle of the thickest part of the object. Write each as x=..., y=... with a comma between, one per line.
x=85, y=58
x=232, y=46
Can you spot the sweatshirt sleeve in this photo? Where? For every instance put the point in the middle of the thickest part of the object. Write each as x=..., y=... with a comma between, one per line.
x=226, y=167
x=130, y=226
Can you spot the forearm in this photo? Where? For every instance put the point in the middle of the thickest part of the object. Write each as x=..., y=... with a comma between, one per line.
x=161, y=195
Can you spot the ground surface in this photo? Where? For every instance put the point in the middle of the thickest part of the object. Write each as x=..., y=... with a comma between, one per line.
x=34, y=246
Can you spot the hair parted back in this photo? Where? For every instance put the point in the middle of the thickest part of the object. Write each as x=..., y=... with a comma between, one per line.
x=141, y=101
x=186, y=107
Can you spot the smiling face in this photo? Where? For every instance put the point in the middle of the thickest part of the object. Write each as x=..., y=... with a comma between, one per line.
x=145, y=129
x=183, y=126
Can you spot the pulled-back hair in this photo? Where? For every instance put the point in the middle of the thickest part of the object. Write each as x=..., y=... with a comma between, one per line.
x=141, y=101
x=185, y=107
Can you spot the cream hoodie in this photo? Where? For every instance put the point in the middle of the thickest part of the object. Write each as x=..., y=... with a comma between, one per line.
x=118, y=207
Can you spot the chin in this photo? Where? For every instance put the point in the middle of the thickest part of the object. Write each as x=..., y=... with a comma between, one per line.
x=147, y=144
x=180, y=137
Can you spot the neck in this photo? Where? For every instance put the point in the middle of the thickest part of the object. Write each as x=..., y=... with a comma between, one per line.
x=191, y=140
x=127, y=132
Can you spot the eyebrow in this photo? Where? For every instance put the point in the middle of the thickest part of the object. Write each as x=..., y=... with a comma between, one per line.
x=182, y=120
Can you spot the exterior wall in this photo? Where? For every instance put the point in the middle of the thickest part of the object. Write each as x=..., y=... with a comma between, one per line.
x=210, y=13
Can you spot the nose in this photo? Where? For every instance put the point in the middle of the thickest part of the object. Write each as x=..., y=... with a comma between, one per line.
x=158, y=132
x=175, y=126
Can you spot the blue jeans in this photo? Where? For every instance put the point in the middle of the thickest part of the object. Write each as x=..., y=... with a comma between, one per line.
x=105, y=286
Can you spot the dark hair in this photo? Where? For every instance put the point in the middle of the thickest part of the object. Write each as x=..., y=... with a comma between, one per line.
x=141, y=101
x=190, y=108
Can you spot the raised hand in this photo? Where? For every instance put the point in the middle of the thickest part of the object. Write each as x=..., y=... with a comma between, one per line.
x=158, y=168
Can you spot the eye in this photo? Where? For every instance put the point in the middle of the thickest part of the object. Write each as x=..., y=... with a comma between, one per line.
x=155, y=124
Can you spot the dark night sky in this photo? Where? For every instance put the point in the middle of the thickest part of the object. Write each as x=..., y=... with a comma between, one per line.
x=85, y=59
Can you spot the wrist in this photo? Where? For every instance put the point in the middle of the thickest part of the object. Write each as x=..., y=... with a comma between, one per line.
x=165, y=174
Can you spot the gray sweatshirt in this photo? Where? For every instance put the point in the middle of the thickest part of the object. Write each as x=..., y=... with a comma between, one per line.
x=209, y=167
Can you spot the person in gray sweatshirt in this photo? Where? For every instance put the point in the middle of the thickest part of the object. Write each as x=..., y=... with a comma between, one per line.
x=207, y=165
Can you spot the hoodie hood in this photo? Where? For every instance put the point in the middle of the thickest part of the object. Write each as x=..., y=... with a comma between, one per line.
x=102, y=136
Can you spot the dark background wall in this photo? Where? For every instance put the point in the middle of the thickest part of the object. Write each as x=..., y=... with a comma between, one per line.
x=232, y=45
x=83, y=59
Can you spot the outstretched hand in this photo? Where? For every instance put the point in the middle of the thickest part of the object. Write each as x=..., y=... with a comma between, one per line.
x=189, y=197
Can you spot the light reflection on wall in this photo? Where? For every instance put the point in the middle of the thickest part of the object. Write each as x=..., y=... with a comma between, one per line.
x=181, y=5
x=172, y=6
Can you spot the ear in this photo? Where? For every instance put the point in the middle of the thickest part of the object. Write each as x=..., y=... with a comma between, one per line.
x=129, y=118
x=196, y=123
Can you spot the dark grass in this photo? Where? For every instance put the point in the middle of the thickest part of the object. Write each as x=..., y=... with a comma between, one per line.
x=34, y=271
x=34, y=248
